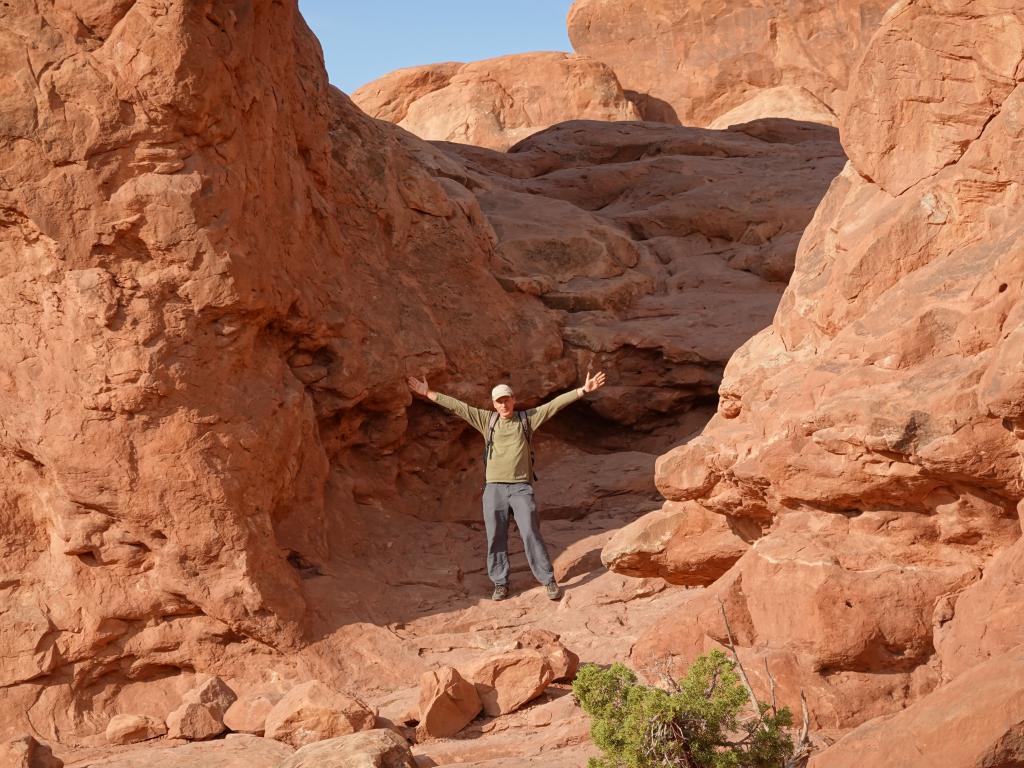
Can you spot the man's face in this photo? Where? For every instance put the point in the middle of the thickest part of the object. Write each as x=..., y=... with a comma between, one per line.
x=505, y=406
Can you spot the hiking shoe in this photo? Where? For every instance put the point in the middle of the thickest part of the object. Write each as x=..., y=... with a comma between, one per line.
x=554, y=591
x=500, y=592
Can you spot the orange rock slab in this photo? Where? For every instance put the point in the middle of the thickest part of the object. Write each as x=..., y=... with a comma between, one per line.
x=681, y=543
x=312, y=711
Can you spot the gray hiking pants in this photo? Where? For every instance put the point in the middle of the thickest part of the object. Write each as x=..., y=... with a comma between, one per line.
x=499, y=498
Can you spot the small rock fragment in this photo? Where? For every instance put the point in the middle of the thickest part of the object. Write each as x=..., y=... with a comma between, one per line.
x=128, y=729
x=447, y=703
x=249, y=712
x=201, y=714
x=563, y=661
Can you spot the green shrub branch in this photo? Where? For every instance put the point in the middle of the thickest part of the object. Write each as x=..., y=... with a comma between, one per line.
x=707, y=721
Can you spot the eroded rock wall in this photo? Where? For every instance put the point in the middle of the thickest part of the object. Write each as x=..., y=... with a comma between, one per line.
x=217, y=273
x=876, y=426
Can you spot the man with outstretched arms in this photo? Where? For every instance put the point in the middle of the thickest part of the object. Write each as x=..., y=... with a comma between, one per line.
x=509, y=474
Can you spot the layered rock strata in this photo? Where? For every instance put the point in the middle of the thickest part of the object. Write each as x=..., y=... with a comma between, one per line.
x=235, y=751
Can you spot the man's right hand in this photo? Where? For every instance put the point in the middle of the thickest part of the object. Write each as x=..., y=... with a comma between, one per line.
x=419, y=386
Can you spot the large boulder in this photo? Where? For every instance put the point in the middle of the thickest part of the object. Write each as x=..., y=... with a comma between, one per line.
x=312, y=711
x=507, y=681
x=496, y=102
x=718, y=64
x=248, y=714
x=682, y=543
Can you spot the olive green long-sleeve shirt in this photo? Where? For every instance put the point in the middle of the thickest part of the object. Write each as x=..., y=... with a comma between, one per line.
x=510, y=460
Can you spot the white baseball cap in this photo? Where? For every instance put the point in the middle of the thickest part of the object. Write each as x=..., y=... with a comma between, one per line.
x=502, y=390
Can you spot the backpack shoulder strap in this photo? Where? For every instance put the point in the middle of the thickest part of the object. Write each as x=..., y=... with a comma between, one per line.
x=489, y=438
x=524, y=422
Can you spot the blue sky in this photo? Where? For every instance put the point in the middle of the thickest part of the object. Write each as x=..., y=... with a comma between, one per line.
x=364, y=40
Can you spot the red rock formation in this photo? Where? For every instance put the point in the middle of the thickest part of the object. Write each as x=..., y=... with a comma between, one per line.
x=496, y=102
x=218, y=274
x=721, y=63
x=983, y=620
x=390, y=97
x=877, y=424
x=26, y=752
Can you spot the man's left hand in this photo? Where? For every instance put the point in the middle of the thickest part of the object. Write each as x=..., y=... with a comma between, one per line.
x=595, y=381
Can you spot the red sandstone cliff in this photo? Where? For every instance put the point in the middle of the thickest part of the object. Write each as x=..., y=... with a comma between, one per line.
x=875, y=427
x=217, y=274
